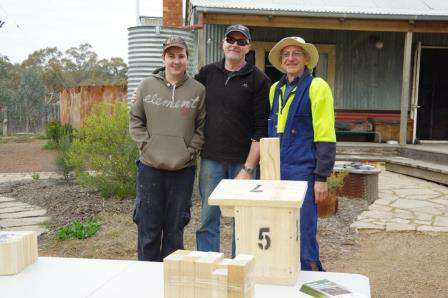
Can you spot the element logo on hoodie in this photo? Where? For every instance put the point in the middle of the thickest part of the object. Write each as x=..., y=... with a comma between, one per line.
x=155, y=99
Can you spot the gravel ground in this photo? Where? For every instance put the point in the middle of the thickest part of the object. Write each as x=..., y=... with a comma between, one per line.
x=334, y=234
x=26, y=155
x=67, y=202
x=399, y=264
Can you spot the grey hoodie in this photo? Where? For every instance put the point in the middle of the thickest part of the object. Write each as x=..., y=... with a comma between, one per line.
x=167, y=121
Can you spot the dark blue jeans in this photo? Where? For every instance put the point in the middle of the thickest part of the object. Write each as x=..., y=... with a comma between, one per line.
x=309, y=248
x=211, y=173
x=161, y=210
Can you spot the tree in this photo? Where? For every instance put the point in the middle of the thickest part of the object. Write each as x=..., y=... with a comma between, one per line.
x=111, y=72
x=79, y=64
x=31, y=97
x=48, y=62
x=9, y=81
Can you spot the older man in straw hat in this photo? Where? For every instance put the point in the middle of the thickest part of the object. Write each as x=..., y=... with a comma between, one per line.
x=302, y=115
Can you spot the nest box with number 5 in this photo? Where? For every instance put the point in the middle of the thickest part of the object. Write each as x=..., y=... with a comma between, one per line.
x=266, y=224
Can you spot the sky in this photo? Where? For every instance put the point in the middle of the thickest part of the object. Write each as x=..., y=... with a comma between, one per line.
x=35, y=24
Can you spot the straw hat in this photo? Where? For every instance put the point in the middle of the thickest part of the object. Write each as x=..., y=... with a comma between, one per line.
x=274, y=54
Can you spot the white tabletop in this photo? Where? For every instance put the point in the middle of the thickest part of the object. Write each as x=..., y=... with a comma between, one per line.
x=72, y=277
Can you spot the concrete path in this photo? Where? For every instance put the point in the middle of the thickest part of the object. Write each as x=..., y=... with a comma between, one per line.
x=406, y=204
x=17, y=177
x=18, y=216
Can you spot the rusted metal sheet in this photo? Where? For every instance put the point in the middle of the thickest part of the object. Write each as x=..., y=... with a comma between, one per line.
x=77, y=102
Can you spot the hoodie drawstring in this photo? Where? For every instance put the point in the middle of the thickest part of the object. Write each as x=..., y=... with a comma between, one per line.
x=172, y=93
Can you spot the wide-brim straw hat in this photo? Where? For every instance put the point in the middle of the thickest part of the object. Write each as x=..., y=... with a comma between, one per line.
x=309, y=48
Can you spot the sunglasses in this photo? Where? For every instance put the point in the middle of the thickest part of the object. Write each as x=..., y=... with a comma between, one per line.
x=240, y=42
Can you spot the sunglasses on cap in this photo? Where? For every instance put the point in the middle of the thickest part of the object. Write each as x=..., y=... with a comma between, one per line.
x=240, y=42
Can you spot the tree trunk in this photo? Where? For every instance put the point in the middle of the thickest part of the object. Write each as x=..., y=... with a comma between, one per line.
x=5, y=121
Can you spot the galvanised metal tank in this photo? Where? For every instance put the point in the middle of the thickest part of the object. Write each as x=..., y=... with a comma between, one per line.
x=145, y=44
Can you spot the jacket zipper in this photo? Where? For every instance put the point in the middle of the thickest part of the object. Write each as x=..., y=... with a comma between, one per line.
x=237, y=75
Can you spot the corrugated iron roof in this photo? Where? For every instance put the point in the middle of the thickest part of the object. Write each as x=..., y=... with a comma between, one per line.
x=391, y=9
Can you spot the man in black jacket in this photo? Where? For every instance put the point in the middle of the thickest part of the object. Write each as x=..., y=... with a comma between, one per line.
x=237, y=106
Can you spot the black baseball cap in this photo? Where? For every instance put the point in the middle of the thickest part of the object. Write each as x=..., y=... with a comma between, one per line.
x=238, y=28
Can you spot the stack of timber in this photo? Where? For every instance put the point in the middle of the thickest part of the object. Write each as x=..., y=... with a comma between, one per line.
x=195, y=274
x=18, y=249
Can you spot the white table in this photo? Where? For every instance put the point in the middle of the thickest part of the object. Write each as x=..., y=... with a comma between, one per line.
x=72, y=277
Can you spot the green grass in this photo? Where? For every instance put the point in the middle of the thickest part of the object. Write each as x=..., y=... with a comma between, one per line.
x=22, y=137
x=50, y=145
x=78, y=230
x=40, y=136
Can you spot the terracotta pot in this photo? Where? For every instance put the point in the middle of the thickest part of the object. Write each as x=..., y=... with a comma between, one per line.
x=329, y=207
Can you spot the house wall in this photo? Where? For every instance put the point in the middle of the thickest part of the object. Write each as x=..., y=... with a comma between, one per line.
x=432, y=39
x=366, y=78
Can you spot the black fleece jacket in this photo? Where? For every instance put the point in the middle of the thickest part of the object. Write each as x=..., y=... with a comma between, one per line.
x=237, y=105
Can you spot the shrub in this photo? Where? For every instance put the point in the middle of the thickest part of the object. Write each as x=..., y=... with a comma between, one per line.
x=103, y=154
x=78, y=230
x=56, y=132
x=62, y=161
x=336, y=180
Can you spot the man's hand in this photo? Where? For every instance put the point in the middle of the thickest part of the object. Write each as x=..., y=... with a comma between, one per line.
x=320, y=191
x=243, y=175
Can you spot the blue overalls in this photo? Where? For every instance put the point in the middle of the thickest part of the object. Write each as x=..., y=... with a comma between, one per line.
x=298, y=161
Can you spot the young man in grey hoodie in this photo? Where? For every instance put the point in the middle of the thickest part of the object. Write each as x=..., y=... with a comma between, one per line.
x=166, y=121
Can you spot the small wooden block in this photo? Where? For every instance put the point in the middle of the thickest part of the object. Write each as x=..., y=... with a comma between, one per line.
x=224, y=263
x=241, y=279
x=172, y=274
x=203, y=273
x=270, y=159
x=188, y=273
x=18, y=249
x=219, y=278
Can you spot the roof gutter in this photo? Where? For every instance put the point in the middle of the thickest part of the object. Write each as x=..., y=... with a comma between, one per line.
x=273, y=13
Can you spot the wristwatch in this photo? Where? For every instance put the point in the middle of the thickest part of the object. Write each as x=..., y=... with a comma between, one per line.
x=248, y=170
